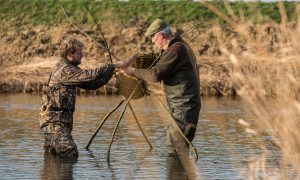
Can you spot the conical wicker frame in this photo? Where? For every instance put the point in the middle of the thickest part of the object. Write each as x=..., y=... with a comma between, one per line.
x=127, y=84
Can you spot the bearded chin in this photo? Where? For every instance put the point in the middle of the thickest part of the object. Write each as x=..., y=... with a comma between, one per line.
x=76, y=63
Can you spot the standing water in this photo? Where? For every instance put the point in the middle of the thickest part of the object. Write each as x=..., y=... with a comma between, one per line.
x=226, y=150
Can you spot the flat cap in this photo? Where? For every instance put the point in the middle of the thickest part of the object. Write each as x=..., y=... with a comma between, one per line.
x=156, y=26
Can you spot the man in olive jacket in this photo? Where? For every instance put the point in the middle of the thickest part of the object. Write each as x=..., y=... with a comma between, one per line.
x=58, y=103
x=178, y=70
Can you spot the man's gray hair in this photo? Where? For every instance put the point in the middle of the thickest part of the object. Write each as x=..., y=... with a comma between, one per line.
x=167, y=31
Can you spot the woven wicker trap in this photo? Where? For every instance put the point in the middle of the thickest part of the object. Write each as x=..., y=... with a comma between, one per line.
x=127, y=84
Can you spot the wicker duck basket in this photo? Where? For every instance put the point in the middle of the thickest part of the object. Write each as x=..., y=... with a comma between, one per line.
x=127, y=84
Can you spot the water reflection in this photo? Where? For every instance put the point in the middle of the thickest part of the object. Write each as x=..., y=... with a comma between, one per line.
x=174, y=169
x=225, y=150
x=56, y=167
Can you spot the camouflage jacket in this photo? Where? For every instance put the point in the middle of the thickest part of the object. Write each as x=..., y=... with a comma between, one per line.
x=59, y=97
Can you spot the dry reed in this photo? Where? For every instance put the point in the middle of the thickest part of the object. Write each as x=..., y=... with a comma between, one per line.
x=266, y=76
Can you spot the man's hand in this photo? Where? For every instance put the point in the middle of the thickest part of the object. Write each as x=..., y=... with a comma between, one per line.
x=128, y=70
x=124, y=64
x=120, y=64
x=129, y=60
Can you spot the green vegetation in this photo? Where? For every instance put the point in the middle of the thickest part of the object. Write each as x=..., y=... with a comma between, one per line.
x=43, y=12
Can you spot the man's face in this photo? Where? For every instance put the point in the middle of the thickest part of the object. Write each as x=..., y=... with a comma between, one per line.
x=157, y=39
x=76, y=57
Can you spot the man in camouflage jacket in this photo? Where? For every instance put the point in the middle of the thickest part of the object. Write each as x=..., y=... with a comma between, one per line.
x=59, y=97
x=178, y=71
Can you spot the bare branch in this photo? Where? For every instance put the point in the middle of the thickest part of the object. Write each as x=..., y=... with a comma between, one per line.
x=76, y=27
x=102, y=35
x=80, y=29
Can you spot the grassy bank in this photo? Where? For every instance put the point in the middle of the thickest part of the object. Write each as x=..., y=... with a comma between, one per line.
x=42, y=12
x=33, y=30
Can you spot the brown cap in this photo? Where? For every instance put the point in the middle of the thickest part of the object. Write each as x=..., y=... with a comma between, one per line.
x=156, y=26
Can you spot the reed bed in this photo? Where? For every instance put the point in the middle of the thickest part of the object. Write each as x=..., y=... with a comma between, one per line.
x=266, y=76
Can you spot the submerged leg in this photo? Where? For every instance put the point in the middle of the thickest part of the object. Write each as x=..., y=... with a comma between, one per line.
x=61, y=142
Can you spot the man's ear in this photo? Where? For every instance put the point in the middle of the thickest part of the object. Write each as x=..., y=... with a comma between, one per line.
x=164, y=36
x=167, y=36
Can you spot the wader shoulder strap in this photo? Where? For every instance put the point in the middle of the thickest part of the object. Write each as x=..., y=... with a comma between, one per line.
x=192, y=56
x=49, y=79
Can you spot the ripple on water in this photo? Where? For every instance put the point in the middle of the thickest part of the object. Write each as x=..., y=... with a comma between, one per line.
x=225, y=150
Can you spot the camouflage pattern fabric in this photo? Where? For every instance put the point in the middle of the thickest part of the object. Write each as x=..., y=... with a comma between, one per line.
x=58, y=105
x=59, y=99
x=61, y=142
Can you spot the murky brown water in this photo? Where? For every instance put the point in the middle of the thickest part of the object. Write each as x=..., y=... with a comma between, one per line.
x=225, y=150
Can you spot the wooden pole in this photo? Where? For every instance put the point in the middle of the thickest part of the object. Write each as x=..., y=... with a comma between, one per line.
x=141, y=129
x=119, y=120
x=100, y=125
x=115, y=129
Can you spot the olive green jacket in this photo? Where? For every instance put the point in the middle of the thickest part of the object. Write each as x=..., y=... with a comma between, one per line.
x=59, y=98
x=178, y=70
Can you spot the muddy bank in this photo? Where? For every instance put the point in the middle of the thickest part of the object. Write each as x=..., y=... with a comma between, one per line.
x=28, y=55
x=30, y=77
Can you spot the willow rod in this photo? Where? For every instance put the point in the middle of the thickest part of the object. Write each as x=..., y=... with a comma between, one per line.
x=101, y=124
x=100, y=30
x=141, y=129
x=118, y=122
x=174, y=123
x=76, y=27
x=189, y=30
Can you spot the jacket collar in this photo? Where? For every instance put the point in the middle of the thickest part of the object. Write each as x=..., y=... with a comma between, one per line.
x=64, y=60
x=175, y=39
